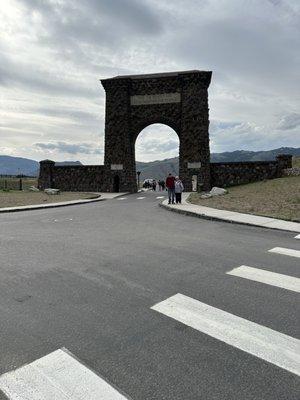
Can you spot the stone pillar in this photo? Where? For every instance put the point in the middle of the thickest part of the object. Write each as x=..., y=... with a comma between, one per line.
x=119, y=156
x=284, y=161
x=194, y=137
x=46, y=174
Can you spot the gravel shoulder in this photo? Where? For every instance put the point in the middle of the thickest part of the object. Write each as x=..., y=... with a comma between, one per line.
x=277, y=198
x=16, y=198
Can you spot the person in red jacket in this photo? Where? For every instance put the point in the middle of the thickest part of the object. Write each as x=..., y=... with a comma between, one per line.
x=170, y=184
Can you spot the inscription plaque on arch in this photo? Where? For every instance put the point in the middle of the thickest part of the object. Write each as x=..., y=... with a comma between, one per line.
x=194, y=165
x=116, y=167
x=163, y=98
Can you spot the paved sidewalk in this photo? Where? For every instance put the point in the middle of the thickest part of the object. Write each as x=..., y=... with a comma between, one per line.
x=230, y=216
x=102, y=196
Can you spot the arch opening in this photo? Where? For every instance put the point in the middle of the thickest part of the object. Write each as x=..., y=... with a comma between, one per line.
x=116, y=184
x=157, y=152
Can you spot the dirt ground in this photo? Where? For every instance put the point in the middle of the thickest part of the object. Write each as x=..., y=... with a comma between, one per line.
x=277, y=198
x=16, y=198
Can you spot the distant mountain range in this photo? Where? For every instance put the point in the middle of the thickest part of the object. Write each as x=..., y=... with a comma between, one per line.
x=154, y=169
x=160, y=169
x=17, y=165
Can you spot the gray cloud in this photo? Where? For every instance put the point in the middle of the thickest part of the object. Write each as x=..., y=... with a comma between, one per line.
x=78, y=116
x=52, y=54
x=70, y=148
x=95, y=22
x=156, y=146
x=289, y=121
x=27, y=76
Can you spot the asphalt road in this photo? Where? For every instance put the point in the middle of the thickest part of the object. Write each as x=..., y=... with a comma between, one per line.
x=85, y=278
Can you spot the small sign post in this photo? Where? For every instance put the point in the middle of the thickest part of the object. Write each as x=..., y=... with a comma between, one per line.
x=138, y=178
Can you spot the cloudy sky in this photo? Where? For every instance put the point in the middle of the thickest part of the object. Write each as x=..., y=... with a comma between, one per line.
x=53, y=53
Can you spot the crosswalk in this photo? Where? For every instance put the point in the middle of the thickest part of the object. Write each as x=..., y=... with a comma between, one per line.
x=285, y=252
x=60, y=375
x=267, y=344
x=268, y=277
x=57, y=376
x=139, y=198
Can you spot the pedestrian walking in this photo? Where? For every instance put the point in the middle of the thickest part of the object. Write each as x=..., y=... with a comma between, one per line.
x=178, y=189
x=163, y=185
x=154, y=185
x=170, y=184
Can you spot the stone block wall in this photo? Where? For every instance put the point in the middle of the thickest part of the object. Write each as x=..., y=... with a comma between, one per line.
x=238, y=173
x=98, y=178
x=81, y=178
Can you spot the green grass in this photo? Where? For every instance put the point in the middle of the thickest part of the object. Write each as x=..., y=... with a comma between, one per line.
x=13, y=198
x=14, y=183
x=296, y=162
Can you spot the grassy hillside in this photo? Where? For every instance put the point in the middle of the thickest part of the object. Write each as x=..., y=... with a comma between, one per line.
x=296, y=162
x=277, y=198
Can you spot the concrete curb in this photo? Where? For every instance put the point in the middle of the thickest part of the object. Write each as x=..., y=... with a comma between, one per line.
x=50, y=205
x=232, y=221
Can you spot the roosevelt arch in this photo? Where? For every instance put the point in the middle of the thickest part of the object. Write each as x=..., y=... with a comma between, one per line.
x=176, y=99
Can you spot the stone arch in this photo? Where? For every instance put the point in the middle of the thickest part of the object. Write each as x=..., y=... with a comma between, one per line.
x=176, y=99
x=167, y=132
x=143, y=125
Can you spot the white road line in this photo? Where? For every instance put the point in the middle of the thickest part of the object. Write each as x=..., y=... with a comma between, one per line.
x=122, y=198
x=286, y=252
x=160, y=197
x=274, y=347
x=297, y=237
x=57, y=376
x=140, y=198
x=268, y=277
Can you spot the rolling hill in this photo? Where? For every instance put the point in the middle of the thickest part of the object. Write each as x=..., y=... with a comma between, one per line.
x=155, y=169
x=17, y=165
x=160, y=169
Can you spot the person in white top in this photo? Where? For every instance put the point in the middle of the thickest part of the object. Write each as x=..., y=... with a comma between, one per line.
x=178, y=189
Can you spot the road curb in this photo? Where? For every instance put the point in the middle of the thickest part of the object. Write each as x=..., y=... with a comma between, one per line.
x=46, y=206
x=211, y=218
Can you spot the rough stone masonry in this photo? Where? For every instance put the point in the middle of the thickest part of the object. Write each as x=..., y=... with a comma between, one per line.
x=177, y=99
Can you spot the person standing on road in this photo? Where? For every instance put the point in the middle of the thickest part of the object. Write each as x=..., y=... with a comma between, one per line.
x=178, y=189
x=154, y=185
x=170, y=184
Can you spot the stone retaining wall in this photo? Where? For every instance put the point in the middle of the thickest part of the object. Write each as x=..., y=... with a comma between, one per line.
x=81, y=178
x=238, y=173
x=291, y=171
x=97, y=178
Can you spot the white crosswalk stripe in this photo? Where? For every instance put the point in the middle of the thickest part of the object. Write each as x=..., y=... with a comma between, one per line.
x=286, y=252
x=265, y=343
x=297, y=237
x=57, y=376
x=122, y=198
x=268, y=277
x=140, y=198
x=160, y=197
